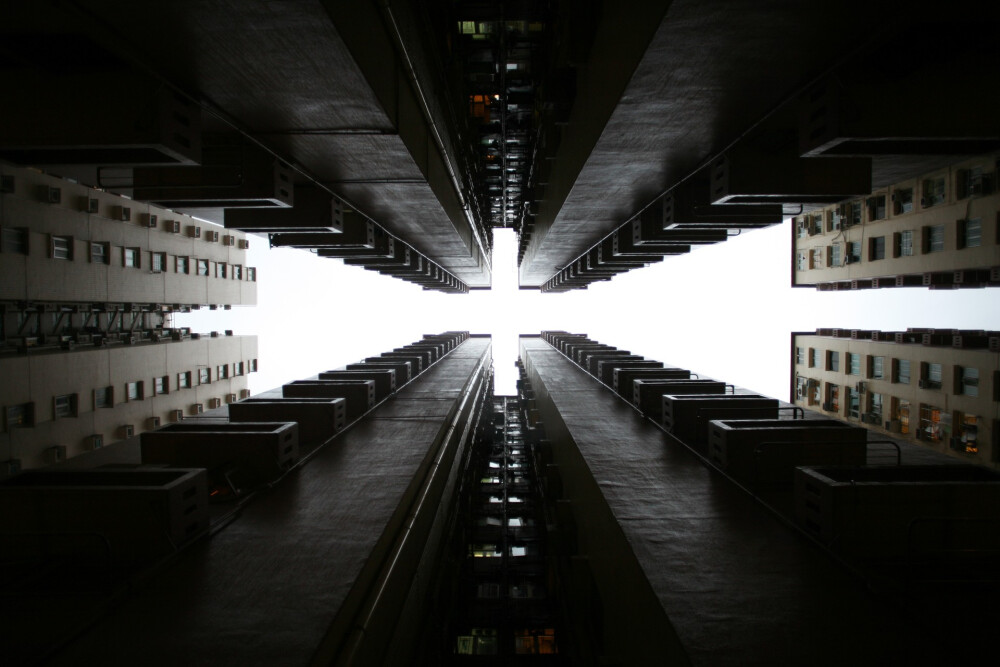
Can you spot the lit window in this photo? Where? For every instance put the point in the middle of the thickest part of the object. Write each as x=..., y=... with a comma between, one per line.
x=933, y=238
x=832, y=361
x=104, y=397
x=970, y=233
x=100, y=253
x=61, y=247
x=966, y=436
x=900, y=416
x=184, y=380
x=929, y=428
x=22, y=414
x=130, y=257
x=968, y=381
x=204, y=376
x=876, y=248
x=901, y=371
x=65, y=406
x=161, y=385
x=485, y=551
x=181, y=264
x=202, y=267
x=14, y=240
x=158, y=261
x=133, y=391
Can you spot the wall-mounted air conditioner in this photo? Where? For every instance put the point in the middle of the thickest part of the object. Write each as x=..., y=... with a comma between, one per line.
x=214, y=403
x=173, y=226
x=95, y=441
x=126, y=431
x=194, y=231
x=197, y=408
x=230, y=398
x=55, y=454
x=176, y=415
x=153, y=422
x=151, y=220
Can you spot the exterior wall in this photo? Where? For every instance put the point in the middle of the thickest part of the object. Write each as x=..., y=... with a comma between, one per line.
x=945, y=408
x=39, y=377
x=815, y=234
x=38, y=276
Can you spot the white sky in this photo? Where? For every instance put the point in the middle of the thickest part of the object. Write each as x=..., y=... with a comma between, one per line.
x=723, y=311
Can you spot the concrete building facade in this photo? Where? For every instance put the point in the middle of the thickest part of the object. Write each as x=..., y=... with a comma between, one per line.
x=940, y=229
x=935, y=387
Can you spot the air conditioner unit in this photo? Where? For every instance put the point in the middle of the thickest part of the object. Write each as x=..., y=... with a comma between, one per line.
x=55, y=454
x=194, y=231
x=126, y=431
x=197, y=408
x=151, y=221
x=214, y=403
x=176, y=415
x=244, y=244
x=228, y=239
x=230, y=398
x=214, y=334
x=212, y=237
x=173, y=226
x=153, y=422
x=123, y=213
x=244, y=393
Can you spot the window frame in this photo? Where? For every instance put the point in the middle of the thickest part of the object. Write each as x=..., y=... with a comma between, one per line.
x=65, y=406
x=139, y=393
x=18, y=237
x=136, y=257
x=204, y=375
x=157, y=261
x=109, y=397
x=105, y=256
x=61, y=247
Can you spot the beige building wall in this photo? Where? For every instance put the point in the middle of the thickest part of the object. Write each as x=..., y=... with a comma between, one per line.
x=940, y=202
x=956, y=411
x=50, y=210
x=69, y=382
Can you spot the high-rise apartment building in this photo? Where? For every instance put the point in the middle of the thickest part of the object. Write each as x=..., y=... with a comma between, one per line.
x=935, y=387
x=88, y=283
x=940, y=229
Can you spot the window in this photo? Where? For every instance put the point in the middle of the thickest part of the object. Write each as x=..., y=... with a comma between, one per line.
x=202, y=267
x=100, y=253
x=204, y=376
x=814, y=389
x=876, y=368
x=130, y=257
x=932, y=192
x=816, y=224
x=14, y=240
x=832, y=360
x=970, y=233
x=222, y=371
x=900, y=416
x=220, y=270
x=252, y=274
x=815, y=258
x=238, y=368
x=237, y=272
x=833, y=255
x=966, y=436
x=853, y=363
x=930, y=376
x=853, y=403
x=181, y=264
x=832, y=403
x=813, y=357
x=253, y=365
x=22, y=414
x=902, y=243
x=833, y=222
x=801, y=388
x=161, y=385
x=875, y=408
x=64, y=406
x=930, y=427
x=876, y=208
x=853, y=213
x=966, y=381
x=158, y=261
x=800, y=355
x=104, y=397
x=61, y=247
x=933, y=238
x=800, y=261
x=853, y=252
x=133, y=391
x=901, y=371
x=902, y=201
x=876, y=248
x=184, y=380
